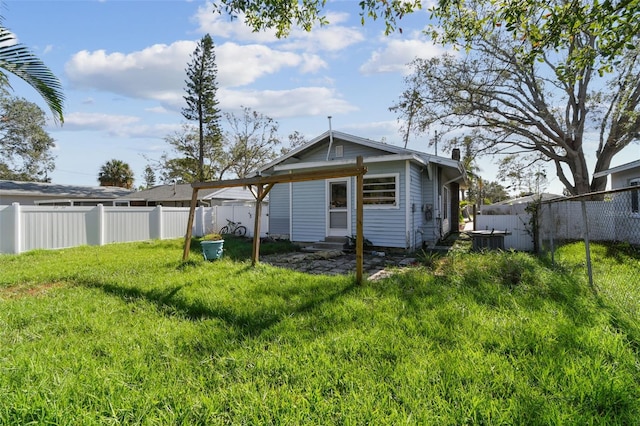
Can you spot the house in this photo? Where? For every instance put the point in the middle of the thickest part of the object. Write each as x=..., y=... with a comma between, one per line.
x=625, y=176
x=622, y=176
x=30, y=193
x=515, y=206
x=410, y=197
x=179, y=195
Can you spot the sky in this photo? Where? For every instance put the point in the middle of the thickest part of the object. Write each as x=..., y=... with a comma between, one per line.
x=122, y=68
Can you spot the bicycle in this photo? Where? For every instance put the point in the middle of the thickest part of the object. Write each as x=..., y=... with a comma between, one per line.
x=234, y=228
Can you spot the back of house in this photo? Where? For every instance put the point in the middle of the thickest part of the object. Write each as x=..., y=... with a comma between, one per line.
x=410, y=197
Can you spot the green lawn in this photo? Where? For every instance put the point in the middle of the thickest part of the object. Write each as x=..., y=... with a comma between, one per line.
x=128, y=334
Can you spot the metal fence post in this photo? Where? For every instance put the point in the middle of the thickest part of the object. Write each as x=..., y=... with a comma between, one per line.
x=586, y=241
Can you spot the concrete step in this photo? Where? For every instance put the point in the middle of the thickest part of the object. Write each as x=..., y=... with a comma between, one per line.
x=329, y=244
x=342, y=240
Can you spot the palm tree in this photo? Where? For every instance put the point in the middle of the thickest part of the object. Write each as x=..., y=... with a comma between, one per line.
x=116, y=173
x=21, y=62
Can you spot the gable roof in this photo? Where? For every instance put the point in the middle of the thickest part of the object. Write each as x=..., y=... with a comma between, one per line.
x=184, y=191
x=621, y=168
x=393, y=151
x=37, y=189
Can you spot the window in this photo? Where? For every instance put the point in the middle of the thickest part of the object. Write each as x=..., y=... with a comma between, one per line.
x=339, y=151
x=380, y=191
x=635, y=205
x=445, y=203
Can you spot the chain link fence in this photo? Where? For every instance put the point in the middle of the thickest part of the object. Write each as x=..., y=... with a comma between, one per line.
x=605, y=223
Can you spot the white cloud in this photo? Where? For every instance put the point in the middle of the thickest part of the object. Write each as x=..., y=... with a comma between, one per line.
x=152, y=73
x=241, y=65
x=157, y=72
x=278, y=104
x=157, y=110
x=224, y=26
x=396, y=54
x=331, y=38
x=121, y=126
x=328, y=39
x=84, y=121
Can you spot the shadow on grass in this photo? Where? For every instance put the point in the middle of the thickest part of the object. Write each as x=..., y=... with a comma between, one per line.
x=248, y=320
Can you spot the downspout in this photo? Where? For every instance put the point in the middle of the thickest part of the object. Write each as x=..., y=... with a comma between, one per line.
x=330, y=138
x=408, y=216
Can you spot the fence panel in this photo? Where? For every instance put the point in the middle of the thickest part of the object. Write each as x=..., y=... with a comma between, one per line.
x=126, y=224
x=24, y=228
x=174, y=224
x=518, y=225
x=53, y=227
x=610, y=217
x=240, y=214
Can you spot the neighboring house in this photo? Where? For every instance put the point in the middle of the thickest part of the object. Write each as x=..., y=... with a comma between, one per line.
x=516, y=205
x=624, y=176
x=30, y=193
x=410, y=197
x=179, y=195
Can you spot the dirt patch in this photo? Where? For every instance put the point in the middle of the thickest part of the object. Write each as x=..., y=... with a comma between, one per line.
x=28, y=290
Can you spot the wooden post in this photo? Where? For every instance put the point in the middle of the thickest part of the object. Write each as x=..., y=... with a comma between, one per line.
x=255, y=253
x=187, y=236
x=359, y=222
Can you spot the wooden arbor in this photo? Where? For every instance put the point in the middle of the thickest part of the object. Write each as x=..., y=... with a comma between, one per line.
x=263, y=185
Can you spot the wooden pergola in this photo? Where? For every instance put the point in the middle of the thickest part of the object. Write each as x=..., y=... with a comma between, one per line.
x=263, y=185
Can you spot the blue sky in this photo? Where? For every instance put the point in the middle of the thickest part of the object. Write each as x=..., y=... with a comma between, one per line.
x=122, y=63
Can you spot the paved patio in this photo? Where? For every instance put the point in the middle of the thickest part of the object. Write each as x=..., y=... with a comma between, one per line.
x=375, y=265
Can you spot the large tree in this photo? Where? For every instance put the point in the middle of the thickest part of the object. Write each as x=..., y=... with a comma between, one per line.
x=116, y=173
x=546, y=24
x=17, y=59
x=202, y=105
x=25, y=147
x=513, y=106
x=251, y=141
x=189, y=161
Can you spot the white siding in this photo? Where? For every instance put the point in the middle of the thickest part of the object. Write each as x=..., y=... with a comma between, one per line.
x=350, y=151
x=308, y=211
x=279, y=209
x=414, y=237
x=430, y=232
x=385, y=227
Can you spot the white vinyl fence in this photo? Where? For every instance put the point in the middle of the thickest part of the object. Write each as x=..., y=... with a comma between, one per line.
x=24, y=228
x=518, y=225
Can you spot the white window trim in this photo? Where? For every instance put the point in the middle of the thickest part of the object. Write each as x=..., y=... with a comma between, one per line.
x=396, y=206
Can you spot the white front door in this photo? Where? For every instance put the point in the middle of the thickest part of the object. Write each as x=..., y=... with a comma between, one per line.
x=338, y=212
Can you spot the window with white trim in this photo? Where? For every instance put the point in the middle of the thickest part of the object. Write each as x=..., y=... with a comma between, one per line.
x=380, y=191
x=445, y=203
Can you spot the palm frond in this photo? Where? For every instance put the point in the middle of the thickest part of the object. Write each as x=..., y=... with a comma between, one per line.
x=20, y=61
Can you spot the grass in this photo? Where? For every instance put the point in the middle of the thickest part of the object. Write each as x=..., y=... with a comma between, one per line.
x=128, y=334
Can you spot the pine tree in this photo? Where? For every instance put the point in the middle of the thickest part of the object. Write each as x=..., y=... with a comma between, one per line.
x=202, y=105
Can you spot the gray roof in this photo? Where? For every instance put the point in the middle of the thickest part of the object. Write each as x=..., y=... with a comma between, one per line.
x=545, y=196
x=11, y=187
x=384, y=147
x=621, y=168
x=184, y=192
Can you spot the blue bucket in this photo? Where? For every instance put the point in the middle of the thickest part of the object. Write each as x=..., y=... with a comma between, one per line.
x=212, y=250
